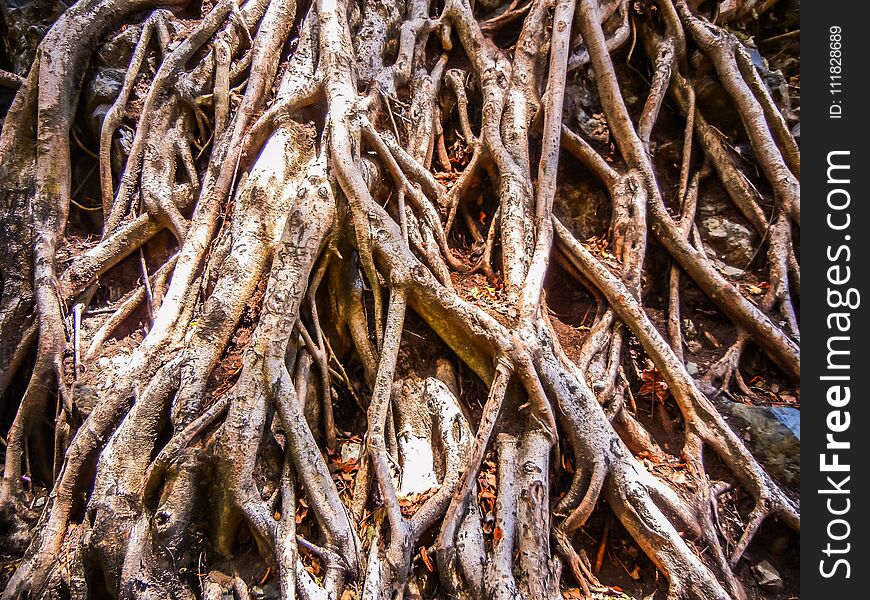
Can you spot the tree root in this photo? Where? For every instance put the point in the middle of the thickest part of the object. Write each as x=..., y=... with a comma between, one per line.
x=231, y=410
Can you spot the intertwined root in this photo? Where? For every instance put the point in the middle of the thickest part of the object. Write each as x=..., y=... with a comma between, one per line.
x=311, y=239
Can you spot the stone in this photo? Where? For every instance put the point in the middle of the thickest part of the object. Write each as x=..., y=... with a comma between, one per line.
x=732, y=241
x=350, y=452
x=98, y=95
x=726, y=270
x=690, y=332
x=85, y=399
x=768, y=577
x=692, y=368
x=118, y=50
x=257, y=592
x=774, y=436
x=104, y=87
x=26, y=23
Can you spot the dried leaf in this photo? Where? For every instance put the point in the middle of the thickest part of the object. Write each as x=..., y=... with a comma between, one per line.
x=426, y=560
x=653, y=384
x=497, y=535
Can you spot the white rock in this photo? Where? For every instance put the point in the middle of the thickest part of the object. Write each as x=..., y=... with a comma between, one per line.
x=767, y=577
x=350, y=452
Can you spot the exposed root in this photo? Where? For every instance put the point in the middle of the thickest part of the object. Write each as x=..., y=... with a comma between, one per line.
x=251, y=375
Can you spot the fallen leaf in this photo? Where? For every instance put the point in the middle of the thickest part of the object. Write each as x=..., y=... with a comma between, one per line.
x=497, y=535
x=426, y=561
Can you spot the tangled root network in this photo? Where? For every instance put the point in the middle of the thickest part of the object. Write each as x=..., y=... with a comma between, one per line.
x=390, y=298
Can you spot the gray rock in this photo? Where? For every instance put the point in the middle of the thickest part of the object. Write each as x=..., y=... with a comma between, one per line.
x=768, y=577
x=692, y=368
x=104, y=87
x=733, y=242
x=99, y=94
x=116, y=52
x=85, y=398
x=27, y=23
x=727, y=270
x=774, y=436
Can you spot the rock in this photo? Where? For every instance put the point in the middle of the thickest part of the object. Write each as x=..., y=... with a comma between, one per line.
x=690, y=332
x=85, y=398
x=726, y=270
x=116, y=52
x=100, y=90
x=774, y=436
x=98, y=95
x=581, y=100
x=692, y=368
x=104, y=87
x=767, y=577
x=26, y=25
x=733, y=242
x=270, y=589
x=121, y=145
x=350, y=452
x=217, y=585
